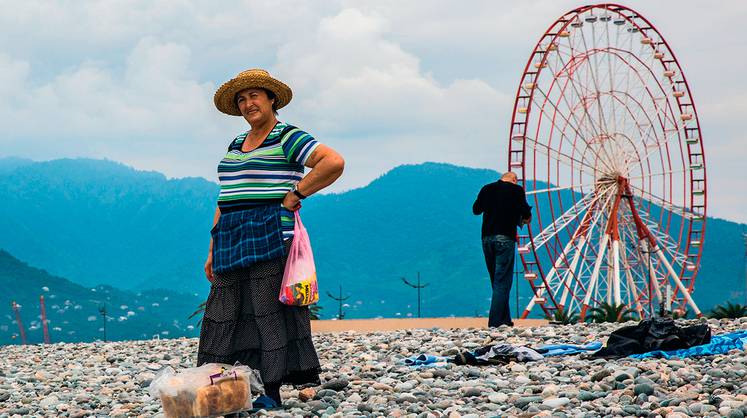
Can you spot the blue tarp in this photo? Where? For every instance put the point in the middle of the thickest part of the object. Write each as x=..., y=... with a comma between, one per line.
x=720, y=344
x=426, y=360
x=550, y=350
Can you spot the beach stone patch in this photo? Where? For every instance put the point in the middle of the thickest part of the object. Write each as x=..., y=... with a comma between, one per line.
x=586, y=395
x=471, y=392
x=600, y=375
x=556, y=402
x=644, y=388
x=363, y=375
x=498, y=398
x=522, y=402
x=306, y=394
x=336, y=384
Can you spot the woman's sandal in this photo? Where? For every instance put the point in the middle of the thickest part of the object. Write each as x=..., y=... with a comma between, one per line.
x=264, y=402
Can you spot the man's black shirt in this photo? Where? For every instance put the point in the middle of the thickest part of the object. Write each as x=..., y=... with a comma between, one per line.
x=503, y=205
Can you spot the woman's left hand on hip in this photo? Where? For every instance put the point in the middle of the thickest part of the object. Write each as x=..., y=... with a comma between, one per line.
x=291, y=202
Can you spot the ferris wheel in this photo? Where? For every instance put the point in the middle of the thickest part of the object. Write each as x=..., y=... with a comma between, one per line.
x=606, y=141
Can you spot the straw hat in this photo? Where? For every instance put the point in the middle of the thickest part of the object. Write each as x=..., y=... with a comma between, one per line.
x=255, y=78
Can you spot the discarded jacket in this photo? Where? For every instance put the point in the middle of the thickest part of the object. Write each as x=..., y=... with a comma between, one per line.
x=653, y=334
x=497, y=354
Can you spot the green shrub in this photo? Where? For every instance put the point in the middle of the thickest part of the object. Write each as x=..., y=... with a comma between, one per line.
x=606, y=312
x=730, y=310
x=562, y=317
x=315, y=311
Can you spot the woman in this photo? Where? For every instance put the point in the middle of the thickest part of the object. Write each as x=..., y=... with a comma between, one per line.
x=261, y=185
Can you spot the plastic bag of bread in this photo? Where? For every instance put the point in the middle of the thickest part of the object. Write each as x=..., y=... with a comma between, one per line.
x=209, y=390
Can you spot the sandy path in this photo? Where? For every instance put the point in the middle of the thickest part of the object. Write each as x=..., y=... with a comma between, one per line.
x=365, y=325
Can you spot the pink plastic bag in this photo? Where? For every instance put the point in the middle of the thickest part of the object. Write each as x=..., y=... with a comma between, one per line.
x=299, y=286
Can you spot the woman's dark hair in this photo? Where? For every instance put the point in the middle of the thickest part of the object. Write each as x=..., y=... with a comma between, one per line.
x=270, y=96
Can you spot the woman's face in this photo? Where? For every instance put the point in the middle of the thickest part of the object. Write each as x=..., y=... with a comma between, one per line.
x=254, y=105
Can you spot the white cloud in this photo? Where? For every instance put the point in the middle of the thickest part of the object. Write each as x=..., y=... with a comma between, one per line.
x=366, y=90
x=13, y=75
x=144, y=110
x=384, y=82
x=365, y=85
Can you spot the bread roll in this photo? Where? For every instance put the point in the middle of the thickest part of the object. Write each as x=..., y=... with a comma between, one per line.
x=169, y=406
x=208, y=401
x=234, y=393
x=178, y=406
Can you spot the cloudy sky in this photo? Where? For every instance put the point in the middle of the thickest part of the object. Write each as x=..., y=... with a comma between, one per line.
x=385, y=82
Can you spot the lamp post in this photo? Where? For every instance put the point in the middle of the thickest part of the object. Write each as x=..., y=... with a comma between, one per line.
x=339, y=299
x=102, y=311
x=417, y=286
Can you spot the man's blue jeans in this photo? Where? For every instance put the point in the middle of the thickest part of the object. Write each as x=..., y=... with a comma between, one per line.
x=499, y=259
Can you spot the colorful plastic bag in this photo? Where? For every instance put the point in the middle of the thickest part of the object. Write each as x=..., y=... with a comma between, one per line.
x=299, y=286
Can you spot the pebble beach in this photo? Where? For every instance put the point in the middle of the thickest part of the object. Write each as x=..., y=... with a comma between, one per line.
x=363, y=375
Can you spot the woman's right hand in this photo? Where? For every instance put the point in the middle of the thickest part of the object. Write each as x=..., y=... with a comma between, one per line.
x=209, y=267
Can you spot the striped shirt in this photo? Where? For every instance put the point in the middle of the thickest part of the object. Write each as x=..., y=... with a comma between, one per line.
x=266, y=174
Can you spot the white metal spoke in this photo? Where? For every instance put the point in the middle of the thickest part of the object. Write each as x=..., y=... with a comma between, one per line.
x=555, y=189
x=677, y=281
x=632, y=289
x=559, y=156
x=583, y=269
x=559, y=223
x=664, y=240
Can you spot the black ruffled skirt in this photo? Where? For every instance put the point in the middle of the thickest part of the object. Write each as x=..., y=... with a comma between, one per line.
x=245, y=322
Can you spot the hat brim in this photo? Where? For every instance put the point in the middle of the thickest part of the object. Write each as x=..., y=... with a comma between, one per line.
x=224, y=96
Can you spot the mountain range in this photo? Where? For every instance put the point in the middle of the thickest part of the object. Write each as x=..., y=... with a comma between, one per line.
x=77, y=313
x=98, y=222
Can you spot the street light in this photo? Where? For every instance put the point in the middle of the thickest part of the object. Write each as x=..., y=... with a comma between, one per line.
x=102, y=311
x=339, y=299
x=416, y=286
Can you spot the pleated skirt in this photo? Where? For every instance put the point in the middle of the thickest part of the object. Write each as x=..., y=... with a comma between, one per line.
x=244, y=322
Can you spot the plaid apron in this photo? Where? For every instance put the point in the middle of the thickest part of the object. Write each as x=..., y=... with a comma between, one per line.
x=245, y=237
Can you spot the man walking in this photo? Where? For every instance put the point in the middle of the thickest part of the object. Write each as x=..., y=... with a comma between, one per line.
x=504, y=206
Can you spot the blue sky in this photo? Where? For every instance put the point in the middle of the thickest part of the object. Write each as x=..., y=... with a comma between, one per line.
x=385, y=82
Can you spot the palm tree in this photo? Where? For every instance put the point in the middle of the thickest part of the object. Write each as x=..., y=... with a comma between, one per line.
x=729, y=310
x=315, y=311
x=606, y=312
x=562, y=317
x=680, y=314
x=200, y=309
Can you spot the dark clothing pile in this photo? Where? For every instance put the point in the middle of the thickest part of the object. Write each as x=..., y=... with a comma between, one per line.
x=653, y=334
x=496, y=354
x=504, y=205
